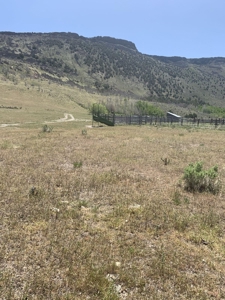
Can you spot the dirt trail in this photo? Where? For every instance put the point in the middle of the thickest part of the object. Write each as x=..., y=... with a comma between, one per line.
x=6, y=125
x=67, y=118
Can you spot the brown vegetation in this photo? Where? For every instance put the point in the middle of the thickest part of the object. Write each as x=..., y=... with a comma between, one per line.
x=95, y=214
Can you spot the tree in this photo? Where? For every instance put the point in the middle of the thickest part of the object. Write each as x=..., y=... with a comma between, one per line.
x=144, y=108
x=98, y=109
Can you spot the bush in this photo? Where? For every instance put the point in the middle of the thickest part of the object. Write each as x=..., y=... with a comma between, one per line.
x=77, y=164
x=98, y=109
x=84, y=132
x=144, y=108
x=199, y=180
x=46, y=128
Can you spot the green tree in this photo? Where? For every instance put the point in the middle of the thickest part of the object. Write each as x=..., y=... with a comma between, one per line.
x=98, y=109
x=144, y=108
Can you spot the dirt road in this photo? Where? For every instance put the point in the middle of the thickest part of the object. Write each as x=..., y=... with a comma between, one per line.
x=67, y=118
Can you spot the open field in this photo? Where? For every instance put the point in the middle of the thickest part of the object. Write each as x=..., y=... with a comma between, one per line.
x=39, y=101
x=94, y=213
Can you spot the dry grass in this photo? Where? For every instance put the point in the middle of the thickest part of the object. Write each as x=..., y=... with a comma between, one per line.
x=119, y=226
x=41, y=100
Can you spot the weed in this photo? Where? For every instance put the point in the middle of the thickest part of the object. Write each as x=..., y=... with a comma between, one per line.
x=166, y=161
x=199, y=180
x=176, y=197
x=96, y=208
x=186, y=200
x=46, y=128
x=77, y=164
x=211, y=219
x=98, y=284
x=84, y=132
x=160, y=263
x=180, y=222
x=6, y=145
x=33, y=191
x=82, y=203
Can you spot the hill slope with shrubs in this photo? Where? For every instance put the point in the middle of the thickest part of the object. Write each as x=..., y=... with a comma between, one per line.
x=112, y=66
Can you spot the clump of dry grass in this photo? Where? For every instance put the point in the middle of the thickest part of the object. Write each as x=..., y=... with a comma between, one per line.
x=120, y=227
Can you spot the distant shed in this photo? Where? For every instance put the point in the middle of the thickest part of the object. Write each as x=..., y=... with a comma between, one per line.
x=173, y=117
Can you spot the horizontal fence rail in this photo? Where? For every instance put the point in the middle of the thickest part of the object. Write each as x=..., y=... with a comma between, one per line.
x=113, y=119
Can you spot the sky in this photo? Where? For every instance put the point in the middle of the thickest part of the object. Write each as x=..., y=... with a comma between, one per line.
x=186, y=28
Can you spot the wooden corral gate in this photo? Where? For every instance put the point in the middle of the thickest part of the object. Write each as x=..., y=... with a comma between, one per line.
x=105, y=119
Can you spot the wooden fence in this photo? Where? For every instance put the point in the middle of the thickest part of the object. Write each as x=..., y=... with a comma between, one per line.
x=113, y=119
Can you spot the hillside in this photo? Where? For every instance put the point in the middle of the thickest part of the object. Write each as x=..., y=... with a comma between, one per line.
x=99, y=212
x=109, y=66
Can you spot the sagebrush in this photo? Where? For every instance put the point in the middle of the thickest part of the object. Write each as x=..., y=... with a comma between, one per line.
x=198, y=180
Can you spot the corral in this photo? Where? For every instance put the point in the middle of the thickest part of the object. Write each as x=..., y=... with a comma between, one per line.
x=115, y=119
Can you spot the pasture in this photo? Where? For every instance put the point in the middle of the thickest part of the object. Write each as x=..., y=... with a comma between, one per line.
x=94, y=213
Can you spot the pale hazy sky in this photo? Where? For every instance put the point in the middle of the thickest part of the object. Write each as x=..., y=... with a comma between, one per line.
x=188, y=28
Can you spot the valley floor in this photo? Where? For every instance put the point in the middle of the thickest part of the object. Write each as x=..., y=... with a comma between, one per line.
x=95, y=213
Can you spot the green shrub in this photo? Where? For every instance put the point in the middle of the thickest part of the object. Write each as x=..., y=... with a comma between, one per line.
x=146, y=108
x=198, y=180
x=46, y=128
x=176, y=197
x=77, y=164
x=98, y=109
x=84, y=132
